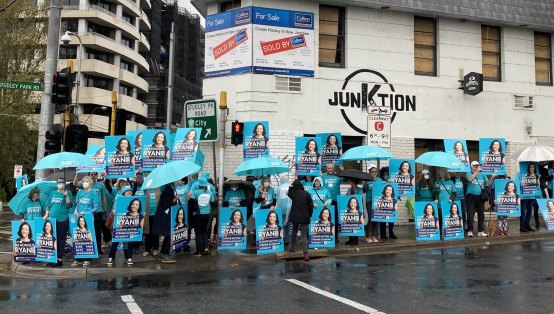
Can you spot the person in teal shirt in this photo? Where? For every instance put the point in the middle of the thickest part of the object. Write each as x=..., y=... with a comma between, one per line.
x=33, y=206
x=476, y=182
x=203, y=195
x=151, y=241
x=319, y=194
x=445, y=190
x=234, y=197
x=331, y=182
x=354, y=190
x=425, y=187
x=59, y=203
x=372, y=228
x=461, y=185
x=264, y=197
x=87, y=201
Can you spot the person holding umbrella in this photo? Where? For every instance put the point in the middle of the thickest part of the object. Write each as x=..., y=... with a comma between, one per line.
x=372, y=228
x=87, y=201
x=33, y=208
x=58, y=208
x=354, y=190
x=425, y=187
x=162, y=221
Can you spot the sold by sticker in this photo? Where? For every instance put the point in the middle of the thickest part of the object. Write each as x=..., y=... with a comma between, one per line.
x=229, y=44
x=283, y=44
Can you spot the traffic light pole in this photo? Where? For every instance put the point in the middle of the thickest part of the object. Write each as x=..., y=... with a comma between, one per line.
x=51, y=63
x=221, y=141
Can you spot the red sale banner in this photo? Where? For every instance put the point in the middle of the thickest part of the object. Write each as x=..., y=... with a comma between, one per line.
x=229, y=44
x=283, y=44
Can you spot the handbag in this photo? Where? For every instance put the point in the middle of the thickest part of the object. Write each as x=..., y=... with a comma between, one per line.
x=109, y=220
x=485, y=193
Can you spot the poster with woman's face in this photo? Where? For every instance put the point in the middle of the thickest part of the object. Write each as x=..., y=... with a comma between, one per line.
x=351, y=215
x=97, y=153
x=492, y=155
x=385, y=198
x=507, y=197
x=308, y=156
x=179, y=227
x=137, y=135
x=232, y=229
x=458, y=148
x=155, y=150
x=402, y=172
x=427, y=221
x=24, y=247
x=21, y=181
x=128, y=220
x=256, y=139
x=269, y=231
x=331, y=147
x=452, y=221
x=186, y=144
x=546, y=206
x=529, y=180
x=120, y=157
x=83, y=236
x=322, y=228
x=45, y=240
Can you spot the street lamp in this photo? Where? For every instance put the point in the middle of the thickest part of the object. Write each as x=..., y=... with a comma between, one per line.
x=66, y=39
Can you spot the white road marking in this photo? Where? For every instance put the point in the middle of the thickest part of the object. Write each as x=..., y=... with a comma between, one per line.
x=351, y=303
x=131, y=304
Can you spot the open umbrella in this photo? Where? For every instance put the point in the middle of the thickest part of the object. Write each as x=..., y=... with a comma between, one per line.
x=170, y=172
x=366, y=152
x=534, y=153
x=353, y=174
x=18, y=201
x=439, y=159
x=64, y=160
x=261, y=166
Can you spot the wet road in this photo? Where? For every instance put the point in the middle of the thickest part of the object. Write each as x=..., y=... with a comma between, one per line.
x=516, y=278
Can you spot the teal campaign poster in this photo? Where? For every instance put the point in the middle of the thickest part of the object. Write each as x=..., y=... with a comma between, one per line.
x=186, y=144
x=256, y=139
x=458, y=148
x=232, y=229
x=269, y=231
x=137, y=135
x=129, y=218
x=546, y=207
x=507, y=197
x=427, y=221
x=83, y=236
x=529, y=180
x=351, y=215
x=97, y=153
x=385, y=198
x=155, y=150
x=21, y=181
x=492, y=155
x=308, y=156
x=179, y=227
x=332, y=148
x=402, y=172
x=322, y=228
x=452, y=221
x=120, y=160
x=45, y=240
x=24, y=248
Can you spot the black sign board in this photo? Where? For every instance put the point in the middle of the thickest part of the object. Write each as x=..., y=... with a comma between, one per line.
x=473, y=83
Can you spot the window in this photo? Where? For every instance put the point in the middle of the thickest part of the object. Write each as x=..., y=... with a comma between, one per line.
x=68, y=52
x=94, y=81
x=71, y=25
x=98, y=55
x=229, y=5
x=126, y=66
x=127, y=18
x=331, y=36
x=99, y=29
x=425, y=46
x=543, y=59
x=125, y=90
x=128, y=42
x=490, y=42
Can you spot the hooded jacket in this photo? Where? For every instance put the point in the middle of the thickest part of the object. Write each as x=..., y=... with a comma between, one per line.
x=321, y=195
x=302, y=204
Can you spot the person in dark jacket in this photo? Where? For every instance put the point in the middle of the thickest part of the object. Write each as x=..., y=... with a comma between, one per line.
x=300, y=213
x=162, y=221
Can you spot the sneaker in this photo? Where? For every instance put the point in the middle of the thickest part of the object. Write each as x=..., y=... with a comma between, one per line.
x=110, y=262
x=523, y=230
x=481, y=234
x=146, y=253
x=155, y=252
x=470, y=234
x=129, y=262
x=86, y=263
x=168, y=259
x=76, y=263
x=197, y=254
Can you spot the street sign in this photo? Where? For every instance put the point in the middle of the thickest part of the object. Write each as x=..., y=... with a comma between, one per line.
x=378, y=111
x=21, y=85
x=17, y=171
x=201, y=113
x=379, y=131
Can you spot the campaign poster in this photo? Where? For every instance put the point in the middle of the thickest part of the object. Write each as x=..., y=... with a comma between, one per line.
x=24, y=247
x=186, y=144
x=529, y=179
x=308, y=156
x=120, y=161
x=179, y=227
x=331, y=148
x=547, y=211
x=427, y=221
x=155, y=150
x=83, y=236
x=507, y=197
x=351, y=215
x=97, y=153
x=402, y=172
x=269, y=231
x=137, y=135
x=256, y=139
x=228, y=43
x=21, y=181
x=452, y=221
x=45, y=240
x=385, y=198
x=129, y=218
x=322, y=228
x=232, y=229
x=492, y=155
x=283, y=42
x=458, y=148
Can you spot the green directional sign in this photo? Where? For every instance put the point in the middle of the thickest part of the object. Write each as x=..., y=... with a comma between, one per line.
x=21, y=85
x=202, y=113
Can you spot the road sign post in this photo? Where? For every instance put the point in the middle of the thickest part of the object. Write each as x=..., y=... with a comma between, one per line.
x=202, y=113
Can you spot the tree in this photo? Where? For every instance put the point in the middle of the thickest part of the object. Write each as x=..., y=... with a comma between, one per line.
x=23, y=29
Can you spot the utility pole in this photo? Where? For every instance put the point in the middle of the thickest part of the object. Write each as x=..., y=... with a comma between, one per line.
x=169, y=108
x=52, y=50
x=222, y=119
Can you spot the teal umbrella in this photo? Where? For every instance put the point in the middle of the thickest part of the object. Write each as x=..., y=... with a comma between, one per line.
x=170, y=172
x=17, y=203
x=439, y=159
x=366, y=152
x=261, y=166
x=64, y=160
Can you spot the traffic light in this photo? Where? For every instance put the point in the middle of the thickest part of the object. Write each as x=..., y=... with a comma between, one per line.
x=76, y=138
x=53, y=142
x=121, y=122
x=61, y=89
x=237, y=137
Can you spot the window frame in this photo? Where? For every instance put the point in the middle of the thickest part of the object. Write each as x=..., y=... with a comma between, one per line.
x=549, y=46
x=435, y=54
x=488, y=78
x=341, y=39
